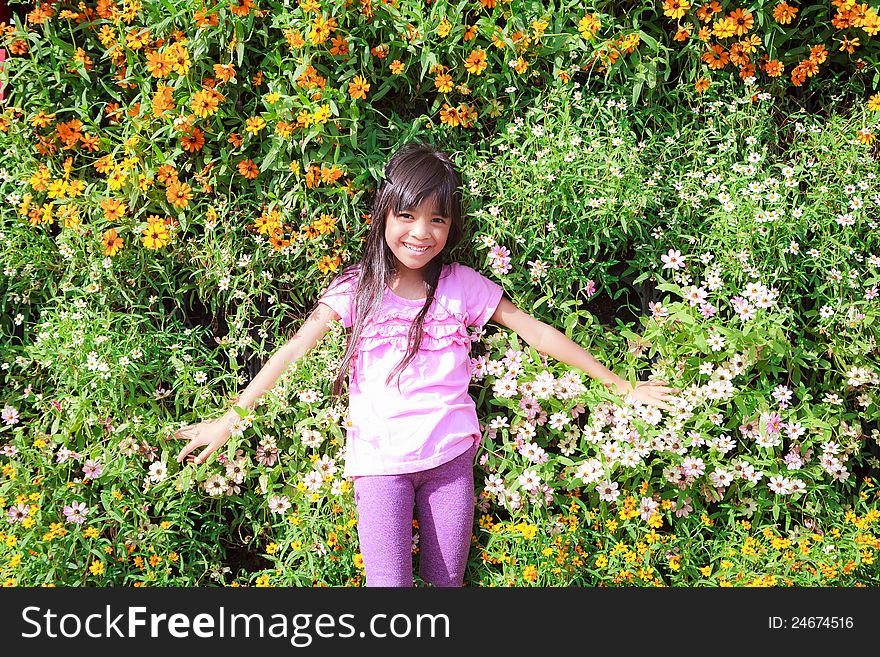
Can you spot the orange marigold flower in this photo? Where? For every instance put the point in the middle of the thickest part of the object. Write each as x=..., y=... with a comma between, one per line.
x=112, y=242
x=166, y=173
x=701, y=85
x=158, y=64
x=358, y=87
x=683, y=34
x=675, y=9
x=849, y=44
x=205, y=102
x=241, y=7
x=248, y=169
x=476, y=62
x=743, y=19
x=716, y=57
x=774, y=68
x=113, y=209
x=818, y=54
x=178, y=194
x=784, y=13
x=193, y=142
x=865, y=136
x=706, y=11
x=443, y=82
x=396, y=67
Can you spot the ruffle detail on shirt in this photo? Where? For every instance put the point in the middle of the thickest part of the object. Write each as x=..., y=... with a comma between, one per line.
x=439, y=330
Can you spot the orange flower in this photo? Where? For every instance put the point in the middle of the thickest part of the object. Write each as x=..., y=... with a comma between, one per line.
x=248, y=169
x=743, y=20
x=784, y=13
x=241, y=8
x=774, y=68
x=178, y=194
x=865, y=136
x=818, y=54
x=166, y=174
x=113, y=209
x=205, y=102
x=476, y=62
x=682, y=34
x=112, y=242
x=708, y=10
x=716, y=58
x=443, y=82
x=675, y=9
x=193, y=142
x=701, y=85
x=158, y=64
x=162, y=101
x=358, y=87
x=396, y=67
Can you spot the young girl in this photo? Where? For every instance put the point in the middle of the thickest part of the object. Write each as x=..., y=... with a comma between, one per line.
x=415, y=430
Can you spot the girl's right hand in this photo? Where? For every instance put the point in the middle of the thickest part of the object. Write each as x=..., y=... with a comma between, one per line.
x=211, y=434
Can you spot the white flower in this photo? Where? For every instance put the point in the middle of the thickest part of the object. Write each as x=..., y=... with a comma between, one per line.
x=608, y=491
x=158, y=471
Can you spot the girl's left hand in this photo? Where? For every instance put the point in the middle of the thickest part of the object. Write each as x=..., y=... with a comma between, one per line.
x=655, y=393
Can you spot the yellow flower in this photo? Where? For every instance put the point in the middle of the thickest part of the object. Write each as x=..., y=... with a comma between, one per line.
x=530, y=573
x=705, y=571
x=588, y=26
x=444, y=28
x=91, y=532
x=675, y=8
x=255, y=124
x=272, y=548
x=397, y=67
x=272, y=98
x=97, y=568
x=262, y=581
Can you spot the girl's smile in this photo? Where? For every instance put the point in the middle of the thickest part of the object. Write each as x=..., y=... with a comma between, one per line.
x=416, y=235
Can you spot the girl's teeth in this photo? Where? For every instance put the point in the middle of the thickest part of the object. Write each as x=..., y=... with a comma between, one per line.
x=412, y=248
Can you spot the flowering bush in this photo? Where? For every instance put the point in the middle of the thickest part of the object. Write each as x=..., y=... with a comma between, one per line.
x=169, y=228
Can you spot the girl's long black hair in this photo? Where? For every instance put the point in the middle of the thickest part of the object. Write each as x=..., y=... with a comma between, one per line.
x=415, y=172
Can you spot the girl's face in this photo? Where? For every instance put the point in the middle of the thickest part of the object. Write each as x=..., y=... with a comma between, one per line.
x=416, y=235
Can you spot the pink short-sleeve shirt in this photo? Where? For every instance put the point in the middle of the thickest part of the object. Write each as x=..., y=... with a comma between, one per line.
x=431, y=419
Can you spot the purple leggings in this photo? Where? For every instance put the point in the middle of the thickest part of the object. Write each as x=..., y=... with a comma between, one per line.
x=443, y=498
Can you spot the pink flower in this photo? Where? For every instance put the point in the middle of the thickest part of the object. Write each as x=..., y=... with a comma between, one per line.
x=9, y=414
x=591, y=288
x=92, y=469
x=18, y=513
x=76, y=512
x=673, y=260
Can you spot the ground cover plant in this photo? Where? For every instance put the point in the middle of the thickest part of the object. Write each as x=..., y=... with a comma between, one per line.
x=179, y=183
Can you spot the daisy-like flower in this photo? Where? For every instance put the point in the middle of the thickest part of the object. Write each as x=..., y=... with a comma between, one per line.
x=778, y=484
x=76, y=512
x=17, y=513
x=215, y=485
x=673, y=259
x=608, y=491
x=559, y=420
x=9, y=415
x=92, y=469
x=313, y=481
x=157, y=472
x=530, y=481
x=312, y=438
x=279, y=504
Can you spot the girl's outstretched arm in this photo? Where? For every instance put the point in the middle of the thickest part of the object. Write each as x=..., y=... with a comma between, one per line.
x=212, y=434
x=548, y=340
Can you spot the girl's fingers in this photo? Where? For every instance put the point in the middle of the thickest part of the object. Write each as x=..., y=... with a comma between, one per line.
x=190, y=446
x=204, y=454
